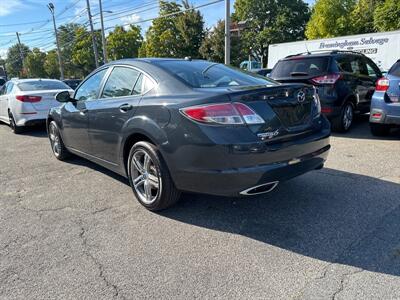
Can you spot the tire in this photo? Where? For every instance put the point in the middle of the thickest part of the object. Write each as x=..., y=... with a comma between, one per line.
x=149, y=177
x=379, y=129
x=56, y=142
x=343, y=122
x=14, y=127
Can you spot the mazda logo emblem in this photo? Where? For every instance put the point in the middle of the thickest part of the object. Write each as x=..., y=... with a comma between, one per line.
x=301, y=96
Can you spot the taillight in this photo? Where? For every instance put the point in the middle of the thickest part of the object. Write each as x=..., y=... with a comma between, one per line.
x=27, y=98
x=224, y=113
x=327, y=79
x=382, y=84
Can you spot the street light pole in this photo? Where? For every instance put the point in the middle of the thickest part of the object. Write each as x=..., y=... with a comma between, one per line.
x=103, y=35
x=51, y=8
x=227, y=32
x=96, y=53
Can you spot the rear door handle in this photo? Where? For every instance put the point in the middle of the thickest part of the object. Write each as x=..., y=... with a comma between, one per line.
x=125, y=107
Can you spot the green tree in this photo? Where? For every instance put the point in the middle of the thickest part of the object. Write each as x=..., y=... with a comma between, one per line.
x=51, y=65
x=123, y=43
x=362, y=16
x=213, y=46
x=13, y=60
x=270, y=21
x=67, y=35
x=330, y=19
x=387, y=16
x=82, y=53
x=34, y=63
x=176, y=35
x=190, y=26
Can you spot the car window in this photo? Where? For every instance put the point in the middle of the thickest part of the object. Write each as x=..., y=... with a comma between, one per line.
x=3, y=90
x=37, y=85
x=90, y=88
x=300, y=66
x=143, y=85
x=204, y=74
x=120, y=82
x=355, y=66
x=395, y=69
x=372, y=71
x=9, y=87
x=343, y=64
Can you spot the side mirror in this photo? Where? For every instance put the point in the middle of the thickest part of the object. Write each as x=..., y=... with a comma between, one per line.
x=64, y=96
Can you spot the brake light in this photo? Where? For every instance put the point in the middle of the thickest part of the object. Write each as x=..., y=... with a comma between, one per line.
x=224, y=113
x=382, y=84
x=27, y=98
x=327, y=79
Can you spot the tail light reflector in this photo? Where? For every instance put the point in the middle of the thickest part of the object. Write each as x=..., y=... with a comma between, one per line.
x=382, y=84
x=327, y=79
x=224, y=114
x=326, y=110
x=27, y=98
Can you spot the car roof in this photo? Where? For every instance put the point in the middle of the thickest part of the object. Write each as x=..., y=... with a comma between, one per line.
x=152, y=60
x=19, y=80
x=323, y=54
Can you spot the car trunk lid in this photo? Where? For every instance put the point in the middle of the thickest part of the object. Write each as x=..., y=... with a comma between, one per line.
x=47, y=100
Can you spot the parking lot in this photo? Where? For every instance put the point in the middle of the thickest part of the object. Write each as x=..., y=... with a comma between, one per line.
x=73, y=230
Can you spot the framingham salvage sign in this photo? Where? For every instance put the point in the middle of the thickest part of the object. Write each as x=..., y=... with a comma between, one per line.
x=382, y=47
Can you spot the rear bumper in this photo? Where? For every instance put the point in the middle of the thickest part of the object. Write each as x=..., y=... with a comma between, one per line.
x=267, y=164
x=384, y=112
x=29, y=119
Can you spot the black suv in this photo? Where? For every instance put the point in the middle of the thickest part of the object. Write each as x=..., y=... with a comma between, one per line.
x=345, y=81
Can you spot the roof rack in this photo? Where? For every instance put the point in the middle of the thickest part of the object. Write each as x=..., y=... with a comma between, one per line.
x=325, y=51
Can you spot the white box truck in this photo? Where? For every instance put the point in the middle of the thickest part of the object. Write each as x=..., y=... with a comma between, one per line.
x=382, y=47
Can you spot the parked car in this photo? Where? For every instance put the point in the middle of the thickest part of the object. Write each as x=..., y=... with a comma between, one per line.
x=385, y=106
x=72, y=83
x=25, y=102
x=174, y=125
x=250, y=65
x=264, y=72
x=345, y=81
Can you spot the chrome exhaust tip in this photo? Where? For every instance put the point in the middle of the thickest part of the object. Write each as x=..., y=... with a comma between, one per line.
x=260, y=189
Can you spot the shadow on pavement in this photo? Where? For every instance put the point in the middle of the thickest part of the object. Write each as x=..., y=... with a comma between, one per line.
x=360, y=130
x=329, y=215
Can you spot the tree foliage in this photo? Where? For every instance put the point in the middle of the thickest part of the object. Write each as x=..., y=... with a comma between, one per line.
x=51, y=65
x=213, y=46
x=82, y=52
x=270, y=21
x=387, y=16
x=67, y=36
x=362, y=16
x=34, y=63
x=13, y=61
x=174, y=35
x=330, y=19
x=123, y=43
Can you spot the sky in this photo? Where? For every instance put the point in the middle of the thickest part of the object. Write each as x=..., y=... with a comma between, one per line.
x=32, y=19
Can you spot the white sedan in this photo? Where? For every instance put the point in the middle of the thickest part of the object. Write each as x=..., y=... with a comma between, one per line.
x=25, y=102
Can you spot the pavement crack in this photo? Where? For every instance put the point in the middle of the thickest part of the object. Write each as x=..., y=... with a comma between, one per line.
x=342, y=280
x=82, y=236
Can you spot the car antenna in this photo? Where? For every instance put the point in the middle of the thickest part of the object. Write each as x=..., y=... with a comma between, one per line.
x=308, y=51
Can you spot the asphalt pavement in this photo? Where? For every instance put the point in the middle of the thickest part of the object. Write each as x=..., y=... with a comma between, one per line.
x=73, y=230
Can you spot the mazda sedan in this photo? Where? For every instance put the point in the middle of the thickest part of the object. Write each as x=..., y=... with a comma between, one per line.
x=177, y=125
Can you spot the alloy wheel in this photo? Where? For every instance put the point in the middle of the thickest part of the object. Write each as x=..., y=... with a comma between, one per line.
x=347, y=116
x=54, y=140
x=146, y=179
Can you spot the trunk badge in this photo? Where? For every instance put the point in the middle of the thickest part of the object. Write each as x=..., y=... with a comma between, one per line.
x=268, y=135
x=301, y=96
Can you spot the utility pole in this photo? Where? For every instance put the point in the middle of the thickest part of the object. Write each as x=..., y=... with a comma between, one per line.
x=103, y=35
x=227, y=32
x=21, y=53
x=50, y=6
x=96, y=53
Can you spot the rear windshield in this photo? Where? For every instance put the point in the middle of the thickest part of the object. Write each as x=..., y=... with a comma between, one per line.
x=42, y=85
x=204, y=74
x=300, y=66
x=395, y=69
